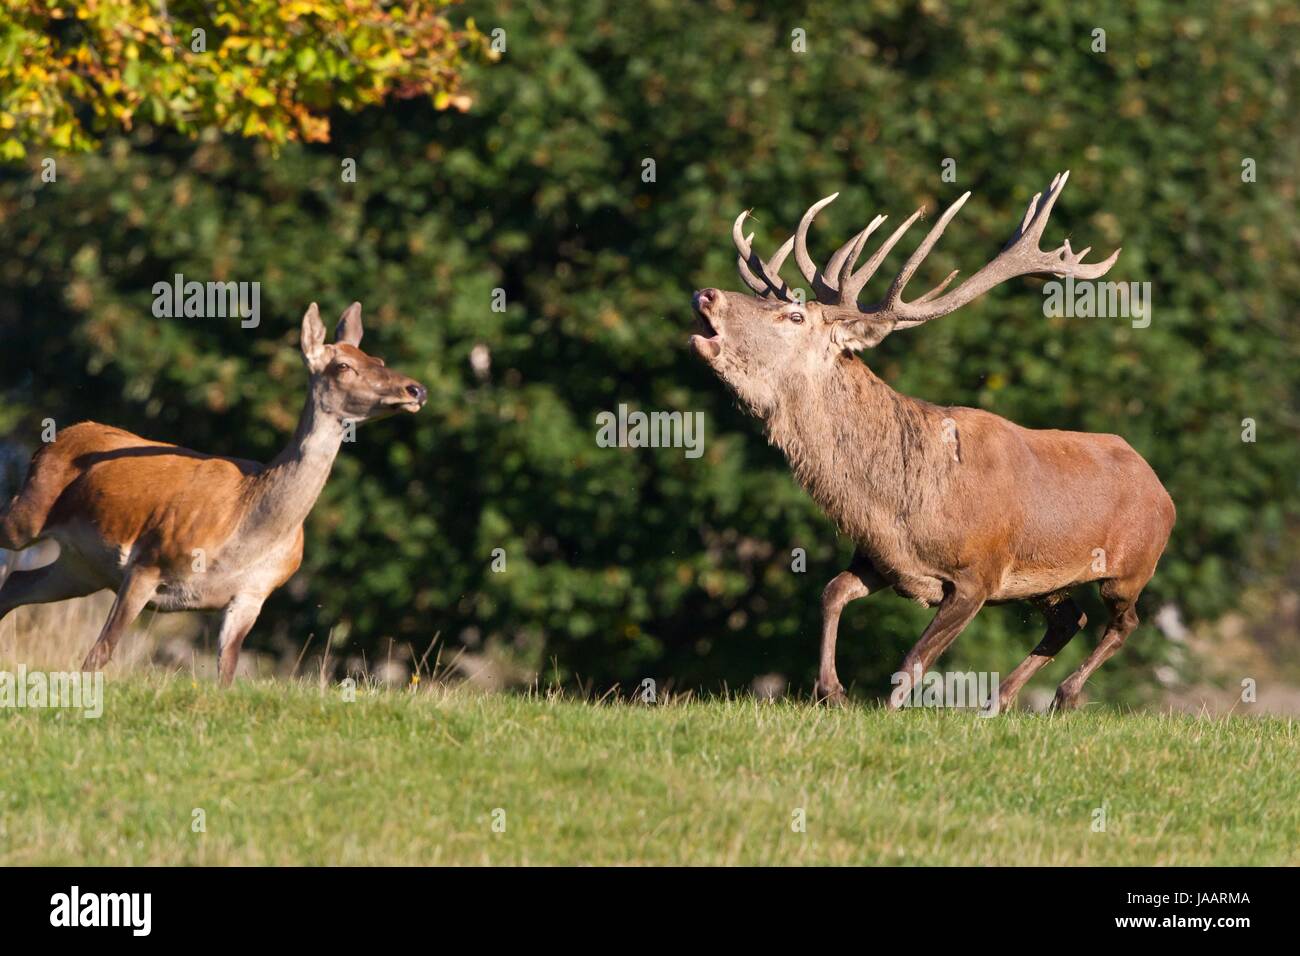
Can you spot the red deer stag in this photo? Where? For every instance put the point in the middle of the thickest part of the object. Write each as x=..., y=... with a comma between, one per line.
x=949, y=506
x=176, y=530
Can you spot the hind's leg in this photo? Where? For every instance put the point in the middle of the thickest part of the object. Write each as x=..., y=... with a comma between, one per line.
x=1120, y=597
x=59, y=581
x=137, y=590
x=236, y=622
x=1064, y=620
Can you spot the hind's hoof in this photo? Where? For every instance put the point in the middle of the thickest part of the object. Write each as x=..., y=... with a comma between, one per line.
x=830, y=694
x=1066, y=699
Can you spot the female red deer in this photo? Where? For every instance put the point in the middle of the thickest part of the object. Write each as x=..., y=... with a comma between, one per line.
x=177, y=530
x=949, y=506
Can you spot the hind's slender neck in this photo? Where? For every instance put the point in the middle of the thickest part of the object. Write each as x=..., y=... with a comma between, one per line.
x=283, y=495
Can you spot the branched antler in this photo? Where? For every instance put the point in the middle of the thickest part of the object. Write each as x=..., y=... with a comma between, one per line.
x=838, y=285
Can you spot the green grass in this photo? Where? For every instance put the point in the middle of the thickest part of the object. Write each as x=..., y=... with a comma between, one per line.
x=288, y=774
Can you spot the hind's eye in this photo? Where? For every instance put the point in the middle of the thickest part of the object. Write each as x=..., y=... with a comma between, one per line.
x=795, y=316
x=343, y=367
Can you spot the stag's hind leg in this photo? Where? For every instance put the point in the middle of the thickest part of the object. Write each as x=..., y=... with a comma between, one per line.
x=1120, y=597
x=858, y=581
x=1064, y=620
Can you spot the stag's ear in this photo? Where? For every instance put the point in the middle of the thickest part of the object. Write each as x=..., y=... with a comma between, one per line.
x=860, y=332
x=313, y=338
x=349, y=328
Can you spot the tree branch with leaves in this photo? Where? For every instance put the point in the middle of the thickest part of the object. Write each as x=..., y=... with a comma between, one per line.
x=268, y=69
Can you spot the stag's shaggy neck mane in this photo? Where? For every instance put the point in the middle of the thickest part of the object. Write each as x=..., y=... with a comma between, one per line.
x=873, y=458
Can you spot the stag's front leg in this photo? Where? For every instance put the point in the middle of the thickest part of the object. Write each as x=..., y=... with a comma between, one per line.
x=961, y=603
x=859, y=580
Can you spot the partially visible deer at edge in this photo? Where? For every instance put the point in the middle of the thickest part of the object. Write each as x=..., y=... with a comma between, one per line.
x=176, y=530
x=949, y=506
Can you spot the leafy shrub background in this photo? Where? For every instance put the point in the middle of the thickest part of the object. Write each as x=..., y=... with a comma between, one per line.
x=630, y=563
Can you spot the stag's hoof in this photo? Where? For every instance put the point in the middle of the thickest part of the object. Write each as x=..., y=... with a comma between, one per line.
x=831, y=695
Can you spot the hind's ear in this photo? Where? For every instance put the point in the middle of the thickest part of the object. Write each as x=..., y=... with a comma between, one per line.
x=349, y=328
x=313, y=339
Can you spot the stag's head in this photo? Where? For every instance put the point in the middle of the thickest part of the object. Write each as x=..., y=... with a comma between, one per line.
x=348, y=384
x=765, y=343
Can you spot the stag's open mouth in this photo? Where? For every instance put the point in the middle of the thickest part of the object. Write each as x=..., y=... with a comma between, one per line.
x=707, y=345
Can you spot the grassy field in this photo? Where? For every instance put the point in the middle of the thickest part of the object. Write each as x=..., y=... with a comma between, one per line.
x=290, y=773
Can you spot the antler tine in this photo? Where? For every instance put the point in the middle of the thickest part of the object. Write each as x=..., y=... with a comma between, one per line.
x=742, y=241
x=745, y=247
x=1039, y=221
x=760, y=287
x=830, y=275
x=773, y=266
x=821, y=289
x=894, y=296
x=857, y=242
x=772, y=269
x=853, y=284
x=846, y=256
x=934, y=293
x=1028, y=218
x=1090, y=270
x=763, y=278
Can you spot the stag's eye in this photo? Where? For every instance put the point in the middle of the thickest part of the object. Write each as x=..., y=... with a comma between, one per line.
x=794, y=316
x=343, y=367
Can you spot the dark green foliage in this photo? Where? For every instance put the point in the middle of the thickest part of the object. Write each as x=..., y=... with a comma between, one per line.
x=630, y=563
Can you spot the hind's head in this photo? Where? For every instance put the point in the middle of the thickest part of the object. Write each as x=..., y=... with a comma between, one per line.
x=346, y=382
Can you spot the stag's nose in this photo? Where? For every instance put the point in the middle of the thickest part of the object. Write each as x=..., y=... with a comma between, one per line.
x=417, y=392
x=706, y=299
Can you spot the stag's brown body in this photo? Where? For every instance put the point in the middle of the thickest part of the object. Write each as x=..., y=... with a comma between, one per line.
x=949, y=506
x=1009, y=504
